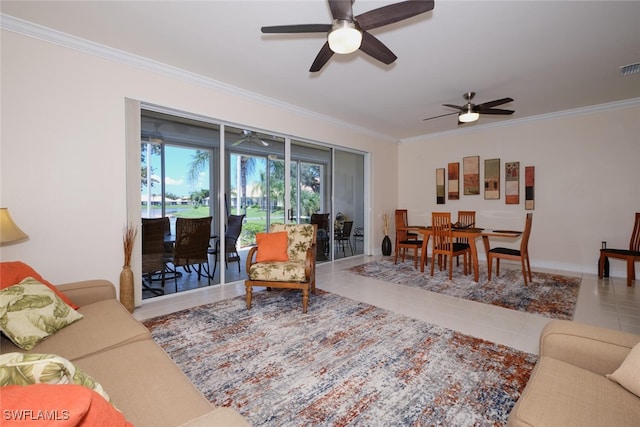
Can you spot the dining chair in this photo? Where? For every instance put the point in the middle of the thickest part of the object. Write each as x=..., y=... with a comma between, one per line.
x=466, y=219
x=631, y=256
x=192, y=245
x=521, y=254
x=443, y=243
x=231, y=237
x=406, y=241
x=402, y=221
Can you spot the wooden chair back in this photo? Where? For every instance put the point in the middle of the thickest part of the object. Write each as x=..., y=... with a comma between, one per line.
x=442, y=232
x=634, y=243
x=524, y=244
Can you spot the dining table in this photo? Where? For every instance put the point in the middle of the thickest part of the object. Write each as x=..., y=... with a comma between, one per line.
x=469, y=233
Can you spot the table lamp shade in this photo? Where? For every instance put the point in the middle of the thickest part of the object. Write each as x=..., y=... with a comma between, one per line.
x=9, y=231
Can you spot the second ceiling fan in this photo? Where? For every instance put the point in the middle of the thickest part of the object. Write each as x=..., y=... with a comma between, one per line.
x=349, y=33
x=471, y=112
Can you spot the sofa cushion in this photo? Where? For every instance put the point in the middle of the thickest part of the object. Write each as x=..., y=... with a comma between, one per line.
x=31, y=311
x=286, y=271
x=272, y=246
x=628, y=374
x=561, y=394
x=14, y=272
x=106, y=324
x=61, y=405
x=26, y=369
x=146, y=385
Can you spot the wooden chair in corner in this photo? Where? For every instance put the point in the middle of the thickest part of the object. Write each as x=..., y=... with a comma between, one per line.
x=403, y=242
x=292, y=266
x=631, y=256
x=521, y=255
x=443, y=243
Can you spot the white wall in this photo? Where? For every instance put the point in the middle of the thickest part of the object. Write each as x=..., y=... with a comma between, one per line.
x=63, y=150
x=587, y=182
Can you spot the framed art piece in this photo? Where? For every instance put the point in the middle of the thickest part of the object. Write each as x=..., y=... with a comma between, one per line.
x=454, y=181
x=492, y=179
x=440, y=193
x=529, y=181
x=471, y=175
x=512, y=183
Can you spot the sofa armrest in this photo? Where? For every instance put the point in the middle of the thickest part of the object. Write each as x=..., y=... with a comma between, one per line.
x=589, y=347
x=88, y=291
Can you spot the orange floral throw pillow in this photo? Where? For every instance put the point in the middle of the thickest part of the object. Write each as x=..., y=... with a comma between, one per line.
x=272, y=246
x=57, y=405
x=14, y=272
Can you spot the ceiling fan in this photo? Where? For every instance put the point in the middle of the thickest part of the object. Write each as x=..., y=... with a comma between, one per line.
x=249, y=136
x=349, y=33
x=471, y=112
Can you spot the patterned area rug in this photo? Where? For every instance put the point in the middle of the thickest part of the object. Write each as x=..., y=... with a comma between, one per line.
x=549, y=295
x=342, y=363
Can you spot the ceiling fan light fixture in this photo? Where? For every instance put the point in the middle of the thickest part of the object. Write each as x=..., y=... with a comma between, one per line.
x=468, y=115
x=344, y=37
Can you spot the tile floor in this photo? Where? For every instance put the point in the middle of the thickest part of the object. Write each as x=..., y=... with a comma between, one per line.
x=608, y=303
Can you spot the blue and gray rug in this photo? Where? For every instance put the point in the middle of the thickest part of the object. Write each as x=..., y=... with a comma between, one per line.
x=549, y=295
x=343, y=363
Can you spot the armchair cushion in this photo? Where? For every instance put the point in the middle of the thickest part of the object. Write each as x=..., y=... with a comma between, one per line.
x=272, y=246
x=300, y=239
x=279, y=271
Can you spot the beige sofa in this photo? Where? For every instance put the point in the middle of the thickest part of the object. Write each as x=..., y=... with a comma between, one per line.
x=568, y=387
x=117, y=351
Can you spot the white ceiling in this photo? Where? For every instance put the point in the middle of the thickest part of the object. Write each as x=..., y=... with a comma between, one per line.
x=549, y=56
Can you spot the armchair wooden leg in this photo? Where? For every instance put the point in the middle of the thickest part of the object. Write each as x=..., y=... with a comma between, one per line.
x=631, y=271
x=249, y=290
x=489, y=262
x=305, y=299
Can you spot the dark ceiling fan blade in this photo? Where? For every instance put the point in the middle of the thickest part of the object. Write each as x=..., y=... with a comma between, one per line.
x=496, y=111
x=291, y=29
x=341, y=9
x=495, y=103
x=442, y=115
x=392, y=13
x=457, y=107
x=323, y=56
x=376, y=49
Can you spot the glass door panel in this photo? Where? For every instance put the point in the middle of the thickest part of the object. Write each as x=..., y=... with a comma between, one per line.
x=311, y=191
x=348, y=202
x=177, y=180
x=254, y=187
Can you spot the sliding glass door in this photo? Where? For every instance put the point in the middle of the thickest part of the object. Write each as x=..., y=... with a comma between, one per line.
x=241, y=177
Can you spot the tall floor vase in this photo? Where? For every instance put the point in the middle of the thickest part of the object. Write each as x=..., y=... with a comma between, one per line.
x=126, y=288
x=386, y=246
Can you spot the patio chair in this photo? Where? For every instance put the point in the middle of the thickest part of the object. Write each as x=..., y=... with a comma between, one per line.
x=192, y=244
x=154, y=255
x=231, y=237
x=284, y=261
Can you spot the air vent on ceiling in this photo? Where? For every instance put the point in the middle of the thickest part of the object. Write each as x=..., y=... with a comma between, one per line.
x=627, y=70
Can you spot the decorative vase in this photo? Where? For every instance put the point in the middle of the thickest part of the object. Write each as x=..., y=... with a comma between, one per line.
x=126, y=288
x=386, y=246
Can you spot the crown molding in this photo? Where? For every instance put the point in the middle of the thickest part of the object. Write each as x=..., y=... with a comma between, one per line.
x=29, y=29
